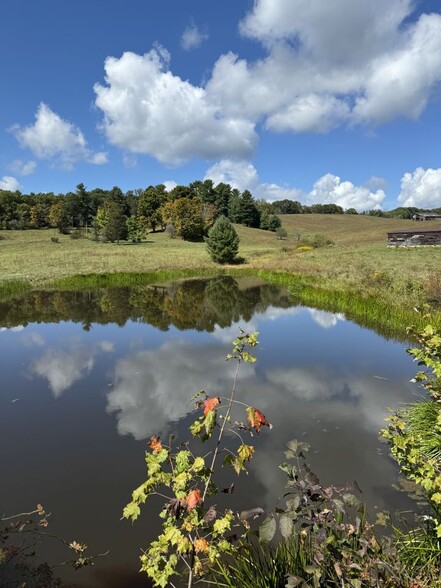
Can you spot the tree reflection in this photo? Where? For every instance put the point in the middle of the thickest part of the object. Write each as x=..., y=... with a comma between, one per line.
x=198, y=304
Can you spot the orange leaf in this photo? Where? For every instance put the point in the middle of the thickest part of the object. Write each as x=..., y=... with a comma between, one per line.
x=155, y=444
x=210, y=404
x=257, y=418
x=193, y=498
x=201, y=545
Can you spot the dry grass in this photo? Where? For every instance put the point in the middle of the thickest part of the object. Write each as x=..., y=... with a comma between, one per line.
x=359, y=252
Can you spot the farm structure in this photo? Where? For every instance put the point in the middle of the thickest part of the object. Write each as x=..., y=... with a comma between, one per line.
x=426, y=216
x=414, y=238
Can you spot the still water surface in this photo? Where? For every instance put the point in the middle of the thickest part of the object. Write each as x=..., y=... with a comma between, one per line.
x=87, y=377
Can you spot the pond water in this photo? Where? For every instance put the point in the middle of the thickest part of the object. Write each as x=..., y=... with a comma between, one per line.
x=88, y=377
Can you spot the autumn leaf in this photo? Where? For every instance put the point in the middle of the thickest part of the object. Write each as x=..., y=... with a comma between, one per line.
x=192, y=499
x=256, y=418
x=245, y=452
x=210, y=404
x=201, y=545
x=155, y=444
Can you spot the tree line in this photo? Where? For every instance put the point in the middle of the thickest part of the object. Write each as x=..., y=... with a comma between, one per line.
x=185, y=211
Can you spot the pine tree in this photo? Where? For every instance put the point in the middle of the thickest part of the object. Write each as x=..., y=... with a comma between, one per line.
x=222, y=241
x=247, y=213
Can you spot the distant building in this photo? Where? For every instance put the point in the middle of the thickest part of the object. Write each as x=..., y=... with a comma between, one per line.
x=414, y=238
x=426, y=216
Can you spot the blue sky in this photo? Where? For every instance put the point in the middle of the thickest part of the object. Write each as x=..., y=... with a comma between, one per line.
x=312, y=100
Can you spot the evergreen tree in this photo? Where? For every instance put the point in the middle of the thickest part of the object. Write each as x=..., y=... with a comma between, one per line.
x=247, y=213
x=222, y=241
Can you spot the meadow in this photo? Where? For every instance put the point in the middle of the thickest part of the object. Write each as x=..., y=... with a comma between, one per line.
x=358, y=268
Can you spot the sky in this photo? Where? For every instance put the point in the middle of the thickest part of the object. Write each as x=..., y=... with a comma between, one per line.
x=310, y=100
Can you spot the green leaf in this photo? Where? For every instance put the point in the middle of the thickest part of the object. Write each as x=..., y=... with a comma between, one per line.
x=288, y=469
x=131, y=511
x=293, y=445
x=267, y=529
x=286, y=526
x=182, y=461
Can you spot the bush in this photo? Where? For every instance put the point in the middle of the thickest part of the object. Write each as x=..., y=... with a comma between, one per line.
x=316, y=241
x=414, y=437
x=281, y=233
x=171, y=231
x=222, y=241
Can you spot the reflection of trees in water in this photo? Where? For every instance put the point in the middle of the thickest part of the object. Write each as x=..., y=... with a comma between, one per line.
x=198, y=304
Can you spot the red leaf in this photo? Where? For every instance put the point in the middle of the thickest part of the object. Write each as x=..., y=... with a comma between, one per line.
x=155, y=444
x=256, y=418
x=210, y=404
x=193, y=498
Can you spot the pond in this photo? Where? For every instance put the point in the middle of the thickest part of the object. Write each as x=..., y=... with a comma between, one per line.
x=88, y=377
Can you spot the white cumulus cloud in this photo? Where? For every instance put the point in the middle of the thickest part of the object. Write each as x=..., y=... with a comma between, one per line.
x=192, y=37
x=331, y=63
x=421, y=189
x=63, y=367
x=149, y=110
x=23, y=168
x=243, y=176
x=311, y=113
x=169, y=185
x=9, y=183
x=325, y=65
x=330, y=189
x=154, y=387
x=53, y=138
x=326, y=190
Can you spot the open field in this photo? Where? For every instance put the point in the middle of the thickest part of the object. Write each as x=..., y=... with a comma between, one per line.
x=359, y=244
x=358, y=264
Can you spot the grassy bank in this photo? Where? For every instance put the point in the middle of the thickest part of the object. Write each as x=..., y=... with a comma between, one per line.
x=357, y=275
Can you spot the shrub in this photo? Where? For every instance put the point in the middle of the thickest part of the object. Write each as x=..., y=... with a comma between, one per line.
x=222, y=241
x=316, y=241
x=170, y=229
x=281, y=233
x=414, y=436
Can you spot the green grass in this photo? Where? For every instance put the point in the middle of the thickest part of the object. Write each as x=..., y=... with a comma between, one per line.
x=359, y=275
x=423, y=418
x=13, y=288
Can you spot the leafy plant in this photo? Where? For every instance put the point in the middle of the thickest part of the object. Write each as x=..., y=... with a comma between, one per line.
x=316, y=241
x=281, y=233
x=326, y=539
x=414, y=436
x=194, y=534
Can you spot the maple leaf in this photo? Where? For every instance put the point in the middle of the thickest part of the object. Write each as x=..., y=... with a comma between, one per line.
x=256, y=418
x=245, y=452
x=210, y=404
x=201, y=545
x=155, y=444
x=192, y=499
